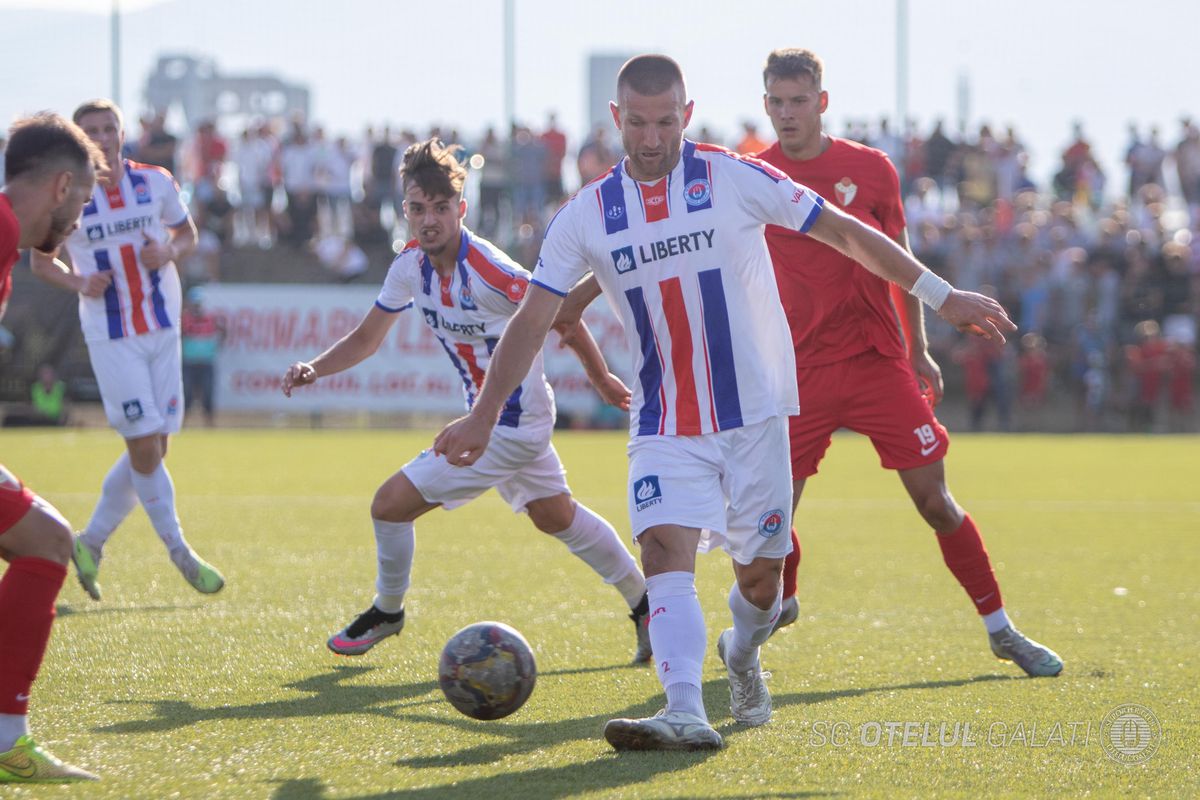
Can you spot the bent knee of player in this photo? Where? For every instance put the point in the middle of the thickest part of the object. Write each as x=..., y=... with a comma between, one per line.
x=551, y=514
x=940, y=511
x=41, y=533
x=759, y=581
x=397, y=500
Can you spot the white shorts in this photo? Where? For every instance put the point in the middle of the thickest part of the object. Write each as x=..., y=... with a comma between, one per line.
x=519, y=469
x=141, y=382
x=735, y=486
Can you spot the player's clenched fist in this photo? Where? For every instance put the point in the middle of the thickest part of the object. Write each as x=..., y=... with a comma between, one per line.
x=298, y=374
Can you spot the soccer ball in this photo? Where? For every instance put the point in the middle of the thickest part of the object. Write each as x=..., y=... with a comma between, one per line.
x=487, y=670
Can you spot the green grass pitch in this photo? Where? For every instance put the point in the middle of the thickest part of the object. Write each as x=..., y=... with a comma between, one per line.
x=167, y=693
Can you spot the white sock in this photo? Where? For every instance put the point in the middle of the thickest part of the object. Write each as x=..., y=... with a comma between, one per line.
x=394, y=546
x=12, y=727
x=751, y=627
x=996, y=621
x=678, y=638
x=597, y=544
x=117, y=499
x=157, y=493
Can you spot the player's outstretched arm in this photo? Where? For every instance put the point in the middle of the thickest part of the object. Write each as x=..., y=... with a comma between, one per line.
x=570, y=313
x=968, y=311
x=611, y=388
x=463, y=441
x=353, y=348
x=46, y=266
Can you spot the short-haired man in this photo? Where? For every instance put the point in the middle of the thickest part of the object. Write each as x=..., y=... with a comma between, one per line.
x=466, y=290
x=673, y=235
x=851, y=361
x=49, y=167
x=132, y=232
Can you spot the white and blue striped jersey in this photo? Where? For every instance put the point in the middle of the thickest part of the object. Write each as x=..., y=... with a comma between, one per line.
x=111, y=233
x=684, y=264
x=468, y=311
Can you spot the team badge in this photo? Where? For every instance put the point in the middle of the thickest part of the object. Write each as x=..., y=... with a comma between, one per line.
x=646, y=492
x=465, y=299
x=516, y=290
x=623, y=260
x=172, y=406
x=614, y=212
x=141, y=193
x=431, y=317
x=846, y=190
x=95, y=233
x=697, y=192
x=133, y=410
x=770, y=523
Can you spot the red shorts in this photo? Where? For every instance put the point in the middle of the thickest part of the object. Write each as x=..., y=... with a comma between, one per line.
x=15, y=499
x=870, y=394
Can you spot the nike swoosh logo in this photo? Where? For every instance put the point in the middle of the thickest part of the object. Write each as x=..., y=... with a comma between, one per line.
x=20, y=765
x=927, y=450
x=21, y=698
x=984, y=598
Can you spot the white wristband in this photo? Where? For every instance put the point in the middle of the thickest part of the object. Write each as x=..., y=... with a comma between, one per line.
x=931, y=290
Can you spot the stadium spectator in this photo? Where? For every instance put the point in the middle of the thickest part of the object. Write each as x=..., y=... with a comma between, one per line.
x=750, y=143
x=201, y=334
x=48, y=396
x=156, y=146
x=527, y=167
x=554, y=144
x=298, y=161
x=253, y=158
x=493, y=183
x=595, y=156
x=206, y=159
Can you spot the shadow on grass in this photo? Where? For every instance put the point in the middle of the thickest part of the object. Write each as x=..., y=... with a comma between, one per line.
x=72, y=611
x=327, y=694
x=812, y=698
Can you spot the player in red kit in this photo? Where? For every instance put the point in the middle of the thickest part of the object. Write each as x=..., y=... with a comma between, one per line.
x=50, y=166
x=853, y=368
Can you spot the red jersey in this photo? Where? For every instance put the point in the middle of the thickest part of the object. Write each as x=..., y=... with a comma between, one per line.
x=835, y=307
x=10, y=236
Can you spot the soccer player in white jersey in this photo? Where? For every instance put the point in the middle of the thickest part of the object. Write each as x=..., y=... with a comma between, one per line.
x=466, y=290
x=674, y=236
x=130, y=235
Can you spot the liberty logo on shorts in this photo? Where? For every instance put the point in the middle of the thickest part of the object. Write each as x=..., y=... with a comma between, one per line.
x=770, y=523
x=623, y=260
x=431, y=317
x=133, y=410
x=647, y=492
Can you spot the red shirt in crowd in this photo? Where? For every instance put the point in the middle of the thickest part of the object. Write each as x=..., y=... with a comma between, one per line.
x=835, y=307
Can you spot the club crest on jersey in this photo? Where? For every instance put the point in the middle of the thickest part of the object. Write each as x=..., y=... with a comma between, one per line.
x=516, y=290
x=770, y=523
x=623, y=260
x=172, y=406
x=141, y=193
x=133, y=410
x=697, y=192
x=431, y=317
x=95, y=233
x=846, y=190
x=615, y=212
x=465, y=299
x=646, y=492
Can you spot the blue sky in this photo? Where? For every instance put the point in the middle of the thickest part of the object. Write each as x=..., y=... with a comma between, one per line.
x=1038, y=65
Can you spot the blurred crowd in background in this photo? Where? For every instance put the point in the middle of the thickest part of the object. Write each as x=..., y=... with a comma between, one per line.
x=1101, y=272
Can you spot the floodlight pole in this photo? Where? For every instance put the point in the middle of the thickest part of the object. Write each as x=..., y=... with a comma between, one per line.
x=510, y=74
x=115, y=47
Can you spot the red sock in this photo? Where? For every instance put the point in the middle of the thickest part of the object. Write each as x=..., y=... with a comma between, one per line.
x=790, y=564
x=966, y=557
x=27, y=594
